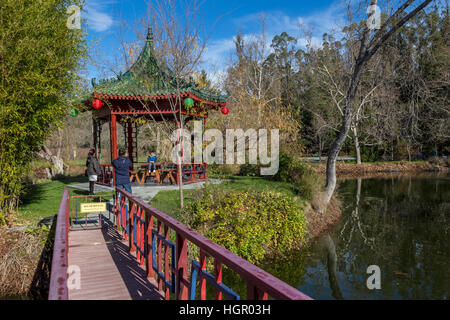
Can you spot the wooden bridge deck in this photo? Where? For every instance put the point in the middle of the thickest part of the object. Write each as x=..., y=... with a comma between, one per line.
x=108, y=270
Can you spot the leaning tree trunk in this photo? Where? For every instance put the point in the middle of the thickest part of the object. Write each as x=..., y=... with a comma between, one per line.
x=339, y=142
x=346, y=123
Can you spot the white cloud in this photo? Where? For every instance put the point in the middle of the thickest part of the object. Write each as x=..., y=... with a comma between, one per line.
x=216, y=57
x=97, y=19
x=330, y=19
x=218, y=52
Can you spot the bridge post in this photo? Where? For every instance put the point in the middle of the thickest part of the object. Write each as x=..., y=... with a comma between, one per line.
x=149, y=244
x=159, y=242
x=253, y=293
x=166, y=261
x=182, y=288
x=132, y=227
x=202, y=279
x=218, y=276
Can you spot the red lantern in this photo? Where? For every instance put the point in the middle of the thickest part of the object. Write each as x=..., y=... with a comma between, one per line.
x=97, y=104
x=225, y=110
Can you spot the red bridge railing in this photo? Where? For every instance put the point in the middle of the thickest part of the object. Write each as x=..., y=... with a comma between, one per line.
x=58, y=277
x=148, y=231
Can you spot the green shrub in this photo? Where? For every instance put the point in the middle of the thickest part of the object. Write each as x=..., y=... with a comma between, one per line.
x=249, y=170
x=286, y=167
x=3, y=219
x=220, y=170
x=305, y=181
x=251, y=224
x=370, y=154
x=309, y=183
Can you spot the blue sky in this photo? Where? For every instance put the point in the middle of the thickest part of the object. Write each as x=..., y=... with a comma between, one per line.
x=105, y=24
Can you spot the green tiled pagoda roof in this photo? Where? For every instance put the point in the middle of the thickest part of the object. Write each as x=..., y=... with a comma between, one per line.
x=148, y=77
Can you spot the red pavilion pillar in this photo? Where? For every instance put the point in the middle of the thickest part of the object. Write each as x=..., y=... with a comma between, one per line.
x=114, y=152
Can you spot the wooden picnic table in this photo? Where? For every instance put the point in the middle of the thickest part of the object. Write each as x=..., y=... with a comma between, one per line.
x=134, y=176
x=167, y=173
x=160, y=174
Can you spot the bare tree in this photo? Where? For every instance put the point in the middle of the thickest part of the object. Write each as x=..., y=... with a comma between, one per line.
x=370, y=43
x=255, y=94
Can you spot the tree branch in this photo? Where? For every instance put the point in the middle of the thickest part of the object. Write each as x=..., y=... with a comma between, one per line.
x=374, y=47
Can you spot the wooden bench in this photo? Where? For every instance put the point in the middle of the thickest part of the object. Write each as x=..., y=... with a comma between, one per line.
x=145, y=175
x=134, y=176
x=160, y=174
x=167, y=173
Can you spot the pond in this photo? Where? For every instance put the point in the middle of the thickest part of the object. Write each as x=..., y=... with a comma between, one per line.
x=400, y=224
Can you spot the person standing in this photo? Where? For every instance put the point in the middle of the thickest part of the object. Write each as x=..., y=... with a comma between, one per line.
x=122, y=166
x=93, y=170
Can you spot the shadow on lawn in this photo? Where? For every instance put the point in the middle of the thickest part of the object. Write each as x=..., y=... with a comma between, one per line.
x=71, y=179
x=36, y=192
x=32, y=193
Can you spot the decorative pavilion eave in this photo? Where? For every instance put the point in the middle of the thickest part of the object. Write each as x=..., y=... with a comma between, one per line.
x=102, y=96
x=148, y=79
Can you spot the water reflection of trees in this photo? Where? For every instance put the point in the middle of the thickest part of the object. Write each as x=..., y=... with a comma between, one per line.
x=399, y=224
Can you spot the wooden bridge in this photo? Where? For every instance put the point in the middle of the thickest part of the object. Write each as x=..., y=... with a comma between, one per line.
x=142, y=253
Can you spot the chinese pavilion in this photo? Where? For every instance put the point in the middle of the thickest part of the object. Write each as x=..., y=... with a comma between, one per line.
x=149, y=90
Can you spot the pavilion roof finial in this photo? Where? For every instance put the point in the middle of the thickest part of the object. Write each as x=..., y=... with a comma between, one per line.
x=150, y=37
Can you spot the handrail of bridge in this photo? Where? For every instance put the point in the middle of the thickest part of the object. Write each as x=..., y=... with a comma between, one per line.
x=137, y=219
x=58, y=278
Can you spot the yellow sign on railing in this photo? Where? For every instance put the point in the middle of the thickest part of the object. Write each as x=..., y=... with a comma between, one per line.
x=92, y=207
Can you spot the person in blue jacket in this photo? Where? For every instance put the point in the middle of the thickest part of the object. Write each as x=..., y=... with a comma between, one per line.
x=152, y=162
x=123, y=165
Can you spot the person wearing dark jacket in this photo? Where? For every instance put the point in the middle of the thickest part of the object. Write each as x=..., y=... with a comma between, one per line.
x=122, y=166
x=93, y=170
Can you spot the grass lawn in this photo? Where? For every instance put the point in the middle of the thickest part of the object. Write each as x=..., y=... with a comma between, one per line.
x=169, y=201
x=42, y=200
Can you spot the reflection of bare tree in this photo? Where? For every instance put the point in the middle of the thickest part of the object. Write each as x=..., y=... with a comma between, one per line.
x=354, y=222
x=332, y=267
x=399, y=225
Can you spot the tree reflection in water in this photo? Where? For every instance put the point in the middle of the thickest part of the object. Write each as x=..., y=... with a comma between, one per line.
x=400, y=224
